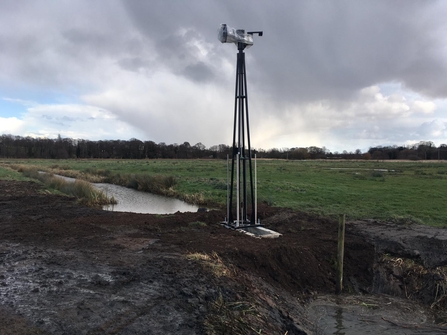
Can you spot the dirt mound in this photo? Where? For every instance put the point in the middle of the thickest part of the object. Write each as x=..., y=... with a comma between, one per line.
x=295, y=269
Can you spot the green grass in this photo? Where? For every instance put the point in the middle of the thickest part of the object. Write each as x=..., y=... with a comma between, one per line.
x=399, y=191
x=10, y=174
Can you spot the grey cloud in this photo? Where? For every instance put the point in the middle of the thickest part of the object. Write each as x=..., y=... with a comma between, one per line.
x=54, y=46
x=179, y=52
x=198, y=72
x=83, y=40
x=58, y=120
x=312, y=51
x=134, y=64
x=175, y=51
x=319, y=49
x=328, y=50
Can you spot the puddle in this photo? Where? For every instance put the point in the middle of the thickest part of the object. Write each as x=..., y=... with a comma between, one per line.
x=130, y=200
x=352, y=315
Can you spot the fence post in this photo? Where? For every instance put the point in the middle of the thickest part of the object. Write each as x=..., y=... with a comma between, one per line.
x=340, y=252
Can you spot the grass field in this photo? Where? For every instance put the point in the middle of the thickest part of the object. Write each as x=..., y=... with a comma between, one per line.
x=400, y=191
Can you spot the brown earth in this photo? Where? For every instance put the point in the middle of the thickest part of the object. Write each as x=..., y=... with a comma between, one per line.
x=69, y=269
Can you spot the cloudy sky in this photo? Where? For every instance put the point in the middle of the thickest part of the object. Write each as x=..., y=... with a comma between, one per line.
x=343, y=74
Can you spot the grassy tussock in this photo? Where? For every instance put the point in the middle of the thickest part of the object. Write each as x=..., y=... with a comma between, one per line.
x=154, y=184
x=82, y=190
x=87, y=194
x=231, y=318
x=59, y=170
x=194, y=198
x=78, y=175
x=211, y=262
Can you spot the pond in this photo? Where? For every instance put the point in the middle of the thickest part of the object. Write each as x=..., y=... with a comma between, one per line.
x=130, y=200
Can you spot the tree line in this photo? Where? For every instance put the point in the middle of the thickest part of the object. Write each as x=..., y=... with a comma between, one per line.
x=64, y=148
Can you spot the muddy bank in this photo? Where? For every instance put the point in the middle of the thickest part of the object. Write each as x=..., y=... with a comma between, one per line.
x=426, y=245
x=370, y=314
x=410, y=260
x=68, y=269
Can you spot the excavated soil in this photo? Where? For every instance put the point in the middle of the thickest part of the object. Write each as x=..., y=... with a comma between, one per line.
x=69, y=269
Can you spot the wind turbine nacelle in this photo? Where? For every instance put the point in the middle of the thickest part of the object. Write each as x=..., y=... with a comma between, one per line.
x=227, y=34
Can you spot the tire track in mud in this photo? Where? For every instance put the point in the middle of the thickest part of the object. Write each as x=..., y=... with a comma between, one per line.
x=73, y=292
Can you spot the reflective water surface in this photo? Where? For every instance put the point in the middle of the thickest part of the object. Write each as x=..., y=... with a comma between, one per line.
x=130, y=200
x=352, y=315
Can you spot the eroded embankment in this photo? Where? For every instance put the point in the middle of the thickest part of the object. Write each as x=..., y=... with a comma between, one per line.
x=410, y=261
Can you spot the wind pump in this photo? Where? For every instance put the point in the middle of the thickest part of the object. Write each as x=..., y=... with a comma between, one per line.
x=241, y=188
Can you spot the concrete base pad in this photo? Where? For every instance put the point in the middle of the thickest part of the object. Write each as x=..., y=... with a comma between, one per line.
x=254, y=230
x=260, y=232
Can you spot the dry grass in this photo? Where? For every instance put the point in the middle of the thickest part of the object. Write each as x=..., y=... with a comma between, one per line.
x=212, y=262
x=195, y=198
x=226, y=317
x=231, y=318
x=157, y=184
x=82, y=190
x=78, y=175
x=58, y=170
x=420, y=278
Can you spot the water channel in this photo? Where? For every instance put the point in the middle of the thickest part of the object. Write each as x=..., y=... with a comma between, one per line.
x=130, y=200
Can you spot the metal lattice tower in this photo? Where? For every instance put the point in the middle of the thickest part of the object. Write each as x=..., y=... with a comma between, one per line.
x=241, y=195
